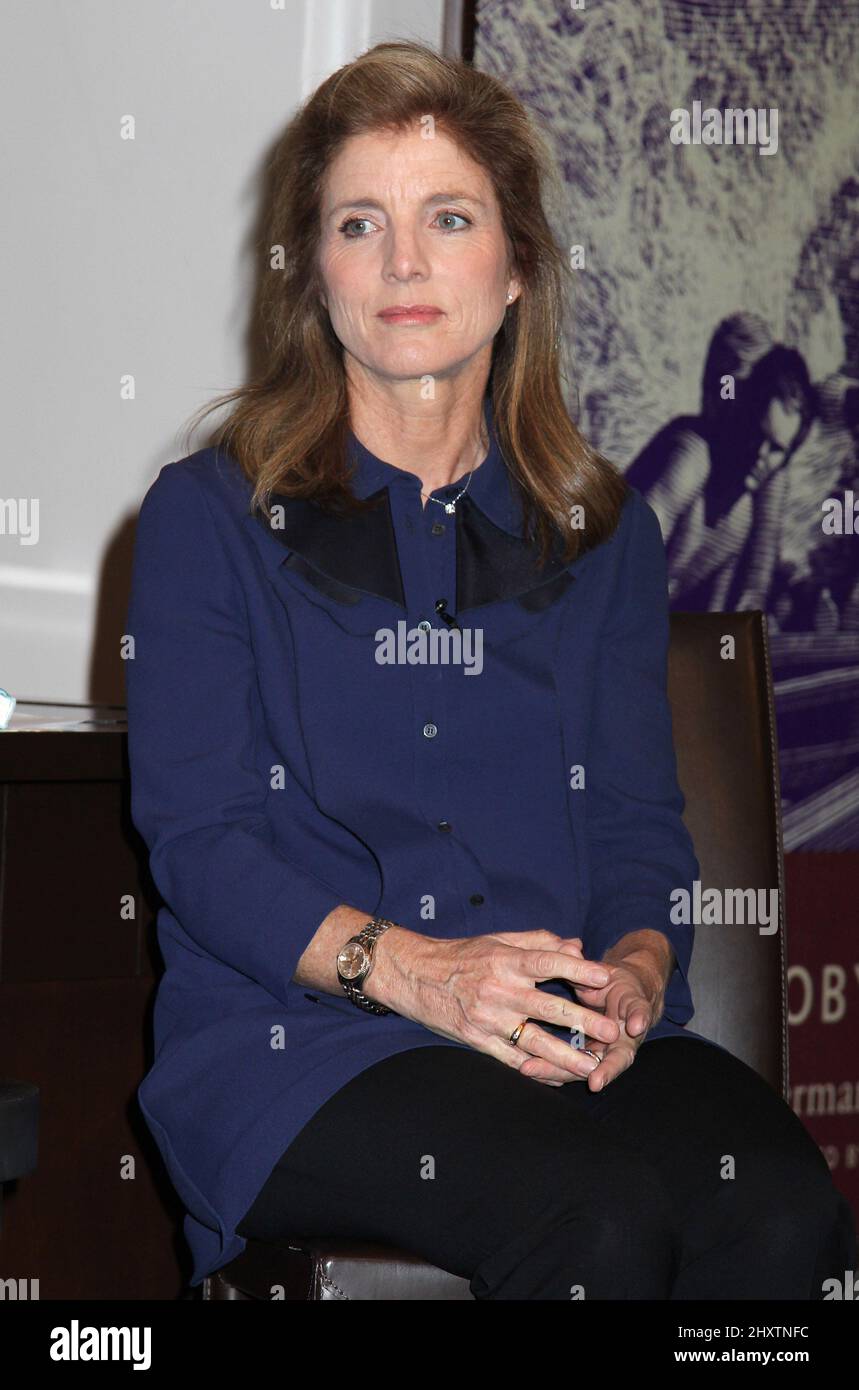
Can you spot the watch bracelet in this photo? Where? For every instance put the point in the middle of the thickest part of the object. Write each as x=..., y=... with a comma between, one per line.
x=375, y=928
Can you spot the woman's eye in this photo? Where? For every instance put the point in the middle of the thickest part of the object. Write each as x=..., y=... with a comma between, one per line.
x=458, y=216
x=351, y=222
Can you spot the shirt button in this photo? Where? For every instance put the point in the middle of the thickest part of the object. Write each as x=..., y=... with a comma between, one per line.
x=430, y=730
x=476, y=899
x=425, y=626
x=445, y=825
x=438, y=528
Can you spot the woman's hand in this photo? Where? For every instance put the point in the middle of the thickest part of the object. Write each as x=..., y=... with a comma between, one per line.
x=478, y=989
x=634, y=999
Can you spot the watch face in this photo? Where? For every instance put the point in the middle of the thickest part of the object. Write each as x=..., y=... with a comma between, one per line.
x=352, y=960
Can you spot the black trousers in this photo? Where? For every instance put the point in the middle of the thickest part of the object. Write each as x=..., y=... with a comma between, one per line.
x=688, y=1177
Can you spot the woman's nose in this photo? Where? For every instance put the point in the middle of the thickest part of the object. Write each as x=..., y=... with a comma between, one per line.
x=404, y=254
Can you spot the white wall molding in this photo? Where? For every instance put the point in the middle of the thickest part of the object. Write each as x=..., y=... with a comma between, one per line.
x=47, y=580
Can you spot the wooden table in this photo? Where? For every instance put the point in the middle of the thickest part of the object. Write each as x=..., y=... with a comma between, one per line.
x=78, y=965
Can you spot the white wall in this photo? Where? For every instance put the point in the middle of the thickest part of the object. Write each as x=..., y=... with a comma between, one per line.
x=130, y=257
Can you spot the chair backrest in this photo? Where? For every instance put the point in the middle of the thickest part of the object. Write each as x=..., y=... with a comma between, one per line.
x=720, y=687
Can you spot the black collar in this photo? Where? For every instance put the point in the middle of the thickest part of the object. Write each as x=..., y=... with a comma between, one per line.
x=349, y=555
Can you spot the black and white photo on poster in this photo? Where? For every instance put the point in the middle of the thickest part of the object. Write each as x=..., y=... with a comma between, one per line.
x=709, y=163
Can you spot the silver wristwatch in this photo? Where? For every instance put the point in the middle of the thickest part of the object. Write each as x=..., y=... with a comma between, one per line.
x=355, y=962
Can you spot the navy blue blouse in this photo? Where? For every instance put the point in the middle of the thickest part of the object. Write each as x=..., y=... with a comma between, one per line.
x=401, y=711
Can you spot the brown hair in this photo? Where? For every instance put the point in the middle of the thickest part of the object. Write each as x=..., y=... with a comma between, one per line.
x=288, y=430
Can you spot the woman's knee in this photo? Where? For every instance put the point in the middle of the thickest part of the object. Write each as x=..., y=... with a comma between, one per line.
x=768, y=1158
x=784, y=1196
x=785, y=1172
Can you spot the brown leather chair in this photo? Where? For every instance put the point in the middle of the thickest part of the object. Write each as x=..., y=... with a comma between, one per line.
x=720, y=686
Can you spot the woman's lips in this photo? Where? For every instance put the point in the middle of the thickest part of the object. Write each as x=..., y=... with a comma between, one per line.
x=411, y=313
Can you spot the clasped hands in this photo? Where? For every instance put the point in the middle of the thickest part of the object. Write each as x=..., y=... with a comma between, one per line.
x=639, y=965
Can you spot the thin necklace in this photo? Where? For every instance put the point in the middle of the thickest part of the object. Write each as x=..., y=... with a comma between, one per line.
x=450, y=507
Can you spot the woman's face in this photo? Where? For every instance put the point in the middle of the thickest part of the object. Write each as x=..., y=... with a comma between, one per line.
x=414, y=222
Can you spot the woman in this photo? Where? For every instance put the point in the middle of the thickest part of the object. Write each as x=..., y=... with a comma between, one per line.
x=401, y=751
